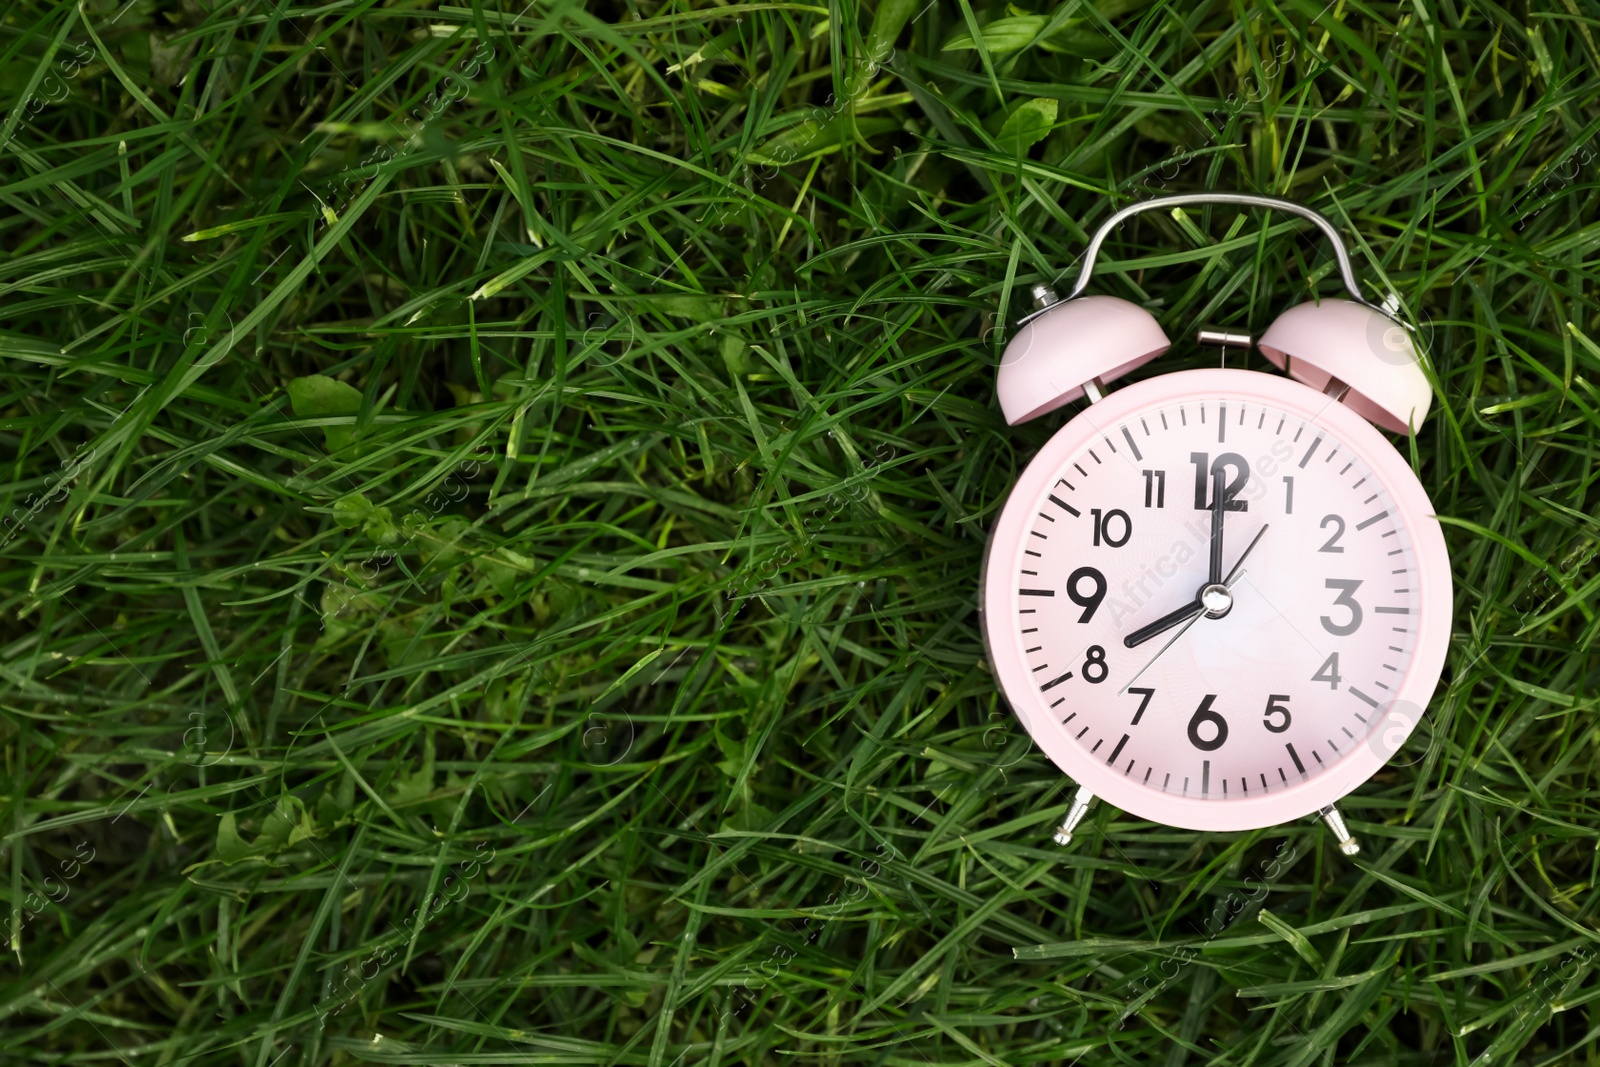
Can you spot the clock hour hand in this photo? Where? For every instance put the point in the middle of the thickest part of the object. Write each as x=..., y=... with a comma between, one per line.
x=1161, y=625
x=1162, y=652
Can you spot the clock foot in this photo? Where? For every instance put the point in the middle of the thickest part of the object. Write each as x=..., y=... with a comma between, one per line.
x=1341, y=833
x=1082, y=800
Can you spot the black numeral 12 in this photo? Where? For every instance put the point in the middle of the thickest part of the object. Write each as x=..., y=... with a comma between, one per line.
x=1205, y=467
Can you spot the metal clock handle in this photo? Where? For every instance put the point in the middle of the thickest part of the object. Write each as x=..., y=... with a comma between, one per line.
x=1242, y=199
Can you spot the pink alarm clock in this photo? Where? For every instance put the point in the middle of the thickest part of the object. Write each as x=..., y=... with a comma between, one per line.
x=1218, y=599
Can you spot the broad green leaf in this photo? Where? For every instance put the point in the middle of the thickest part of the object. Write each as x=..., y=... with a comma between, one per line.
x=351, y=510
x=1002, y=36
x=354, y=509
x=444, y=544
x=887, y=22
x=1027, y=125
x=1083, y=37
x=503, y=570
x=231, y=848
x=1159, y=127
x=733, y=354
x=279, y=828
x=404, y=647
x=329, y=812
x=416, y=787
x=1079, y=38
x=732, y=753
x=317, y=396
x=696, y=307
x=750, y=817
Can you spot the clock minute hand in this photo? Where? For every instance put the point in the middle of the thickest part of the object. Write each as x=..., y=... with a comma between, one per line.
x=1218, y=512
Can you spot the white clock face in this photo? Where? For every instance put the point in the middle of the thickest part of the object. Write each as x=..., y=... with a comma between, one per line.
x=1201, y=687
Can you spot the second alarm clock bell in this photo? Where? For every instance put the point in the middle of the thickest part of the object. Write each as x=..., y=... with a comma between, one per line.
x=1218, y=599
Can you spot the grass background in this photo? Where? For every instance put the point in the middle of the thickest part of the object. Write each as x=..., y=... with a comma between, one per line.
x=494, y=496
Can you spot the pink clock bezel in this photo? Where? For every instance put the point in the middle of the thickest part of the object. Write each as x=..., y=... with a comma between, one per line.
x=1433, y=621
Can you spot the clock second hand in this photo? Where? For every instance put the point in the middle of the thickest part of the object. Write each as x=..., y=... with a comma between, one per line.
x=1233, y=576
x=1243, y=555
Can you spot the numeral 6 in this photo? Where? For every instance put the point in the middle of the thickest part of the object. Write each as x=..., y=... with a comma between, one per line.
x=1204, y=714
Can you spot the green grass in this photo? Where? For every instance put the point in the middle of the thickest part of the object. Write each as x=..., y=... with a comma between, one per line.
x=585, y=668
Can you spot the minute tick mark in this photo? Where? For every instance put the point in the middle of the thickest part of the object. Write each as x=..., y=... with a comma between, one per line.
x=1359, y=695
x=1301, y=767
x=1046, y=687
x=1136, y=453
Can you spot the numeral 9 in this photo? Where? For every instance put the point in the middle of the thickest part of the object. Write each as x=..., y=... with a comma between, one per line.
x=1092, y=601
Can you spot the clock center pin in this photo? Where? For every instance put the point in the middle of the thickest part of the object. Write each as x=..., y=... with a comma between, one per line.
x=1217, y=600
